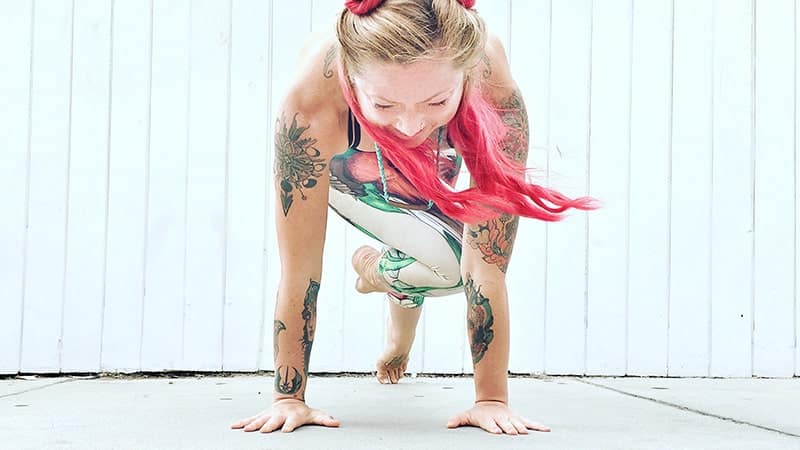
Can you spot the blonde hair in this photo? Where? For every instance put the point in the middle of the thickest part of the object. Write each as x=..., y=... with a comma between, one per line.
x=406, y=31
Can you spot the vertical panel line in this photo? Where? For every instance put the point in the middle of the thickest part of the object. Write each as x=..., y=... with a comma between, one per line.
x=588, y=180
x=108, y=178
x=187, y=148
x=628, y=189
x=794, y=144
x=226, y=206
x=267, y=185
x=710, y=271
x=753, y=144
x=27, y=186
x=66, y=193
x=670, y=196
x=547, y=162
x=148, y=137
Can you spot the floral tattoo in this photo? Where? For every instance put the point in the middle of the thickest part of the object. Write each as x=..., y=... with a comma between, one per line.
x=298, y=163
x=495, y=239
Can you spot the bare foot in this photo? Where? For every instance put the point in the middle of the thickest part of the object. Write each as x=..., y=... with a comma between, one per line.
x=391, y=367
x=365, y=262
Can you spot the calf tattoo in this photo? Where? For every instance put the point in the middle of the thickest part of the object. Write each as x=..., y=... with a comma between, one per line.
x=298, y=163
x=479, y=320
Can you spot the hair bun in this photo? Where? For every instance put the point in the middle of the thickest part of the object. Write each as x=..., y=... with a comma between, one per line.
x=467, y=3
x=363, y=7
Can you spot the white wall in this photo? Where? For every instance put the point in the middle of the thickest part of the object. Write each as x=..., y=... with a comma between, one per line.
x=137, y=230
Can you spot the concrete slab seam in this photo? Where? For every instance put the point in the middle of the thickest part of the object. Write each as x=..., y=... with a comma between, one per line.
x=687, y=409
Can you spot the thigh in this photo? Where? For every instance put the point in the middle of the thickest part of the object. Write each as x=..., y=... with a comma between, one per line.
x=427, y=235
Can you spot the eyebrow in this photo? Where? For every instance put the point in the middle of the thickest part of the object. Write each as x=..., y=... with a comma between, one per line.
x=378, y=97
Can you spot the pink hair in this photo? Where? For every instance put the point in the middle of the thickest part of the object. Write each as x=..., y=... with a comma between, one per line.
x=477, y=131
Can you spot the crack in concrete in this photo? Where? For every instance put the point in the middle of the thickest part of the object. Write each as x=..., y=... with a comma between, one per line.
x=688, y=409
x=38, y=388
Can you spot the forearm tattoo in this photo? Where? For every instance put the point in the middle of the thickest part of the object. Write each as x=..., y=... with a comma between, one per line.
x=298, y=164
x=479, y=320
x=289, y=380
x=310, y=322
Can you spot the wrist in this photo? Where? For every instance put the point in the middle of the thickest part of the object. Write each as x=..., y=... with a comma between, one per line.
x=281, y=397
x=503, y=400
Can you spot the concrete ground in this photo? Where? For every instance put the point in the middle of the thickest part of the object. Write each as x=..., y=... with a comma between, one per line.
x=584, y=413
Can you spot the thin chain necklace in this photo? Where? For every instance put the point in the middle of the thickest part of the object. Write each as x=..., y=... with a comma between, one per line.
x=383, y=176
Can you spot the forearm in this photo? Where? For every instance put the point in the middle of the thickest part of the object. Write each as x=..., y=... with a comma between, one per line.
x=488, y=332
x=293, y=337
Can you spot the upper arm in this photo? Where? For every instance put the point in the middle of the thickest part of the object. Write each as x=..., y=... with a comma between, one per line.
x=488, y=245
x=308, y=133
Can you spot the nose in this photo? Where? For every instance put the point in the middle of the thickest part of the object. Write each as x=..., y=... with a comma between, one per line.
x=409, y=126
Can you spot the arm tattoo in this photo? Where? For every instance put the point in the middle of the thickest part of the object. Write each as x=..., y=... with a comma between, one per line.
x=515, y=116
x=297, y=162
x=310, y=317
x=479, y=320
x=278, y=326
x=495, y=239
x=487, y=71
x=289, y=380
x=284, y=385
x=327, y=72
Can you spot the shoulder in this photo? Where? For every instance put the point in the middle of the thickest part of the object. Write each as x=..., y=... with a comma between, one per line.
x=314, y=90
x=494, y=72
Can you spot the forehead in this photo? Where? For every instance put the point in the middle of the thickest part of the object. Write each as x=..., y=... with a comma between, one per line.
x=407, y=81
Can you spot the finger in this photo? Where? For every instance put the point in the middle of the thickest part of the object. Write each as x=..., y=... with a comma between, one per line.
x=243, y=423
x=490, y=425
x=292, y=422
x=534, y=426
x=325, y=420
x=506, y=425
x=273, y=424
x=456, y=421
x=256, y=424
x=521, y=428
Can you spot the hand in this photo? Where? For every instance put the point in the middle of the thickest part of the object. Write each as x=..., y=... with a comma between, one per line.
x=286, y=414
x=494, y=417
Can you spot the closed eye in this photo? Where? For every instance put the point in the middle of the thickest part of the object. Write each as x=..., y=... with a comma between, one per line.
x=441, y=103
x=379, y=106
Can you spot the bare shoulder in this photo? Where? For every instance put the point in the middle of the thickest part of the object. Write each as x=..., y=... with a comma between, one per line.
x=494, y=70
x=314, y=93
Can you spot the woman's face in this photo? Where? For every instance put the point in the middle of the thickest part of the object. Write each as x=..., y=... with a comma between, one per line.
x=410, y=101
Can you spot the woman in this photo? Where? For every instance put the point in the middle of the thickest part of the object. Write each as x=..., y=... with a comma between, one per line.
x=410, y=88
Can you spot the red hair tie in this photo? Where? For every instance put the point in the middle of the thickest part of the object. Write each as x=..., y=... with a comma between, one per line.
x=362, y=7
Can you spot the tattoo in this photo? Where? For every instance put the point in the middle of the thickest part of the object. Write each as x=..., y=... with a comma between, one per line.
x=515, y=116
x=278, y=326
x=309, y=315
x=495, y=239
x=297, y=161
x=327, y=72
x=487, y=71
x=286, y=386
x=479, y=320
